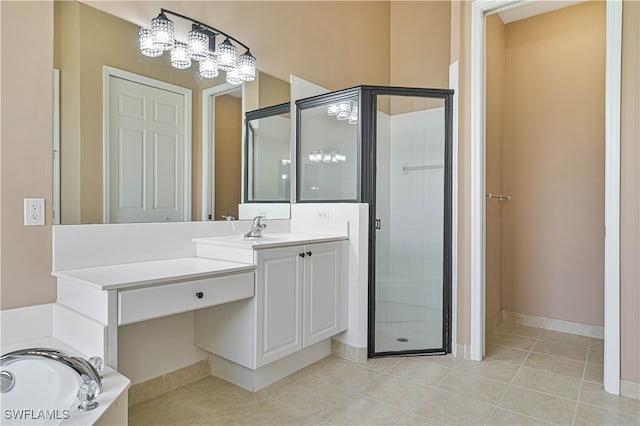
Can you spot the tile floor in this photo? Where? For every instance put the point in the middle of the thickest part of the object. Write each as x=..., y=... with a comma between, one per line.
x=530, y=376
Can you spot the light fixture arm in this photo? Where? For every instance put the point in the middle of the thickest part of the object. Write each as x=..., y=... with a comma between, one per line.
x=209, y=28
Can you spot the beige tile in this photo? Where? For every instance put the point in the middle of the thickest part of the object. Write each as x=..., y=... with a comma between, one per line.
x=474, y=387
x=563, y=350
x=420, y=372
x=512, y=341
x=277, y=387
x=448, y=361
x=396, y=391
x=538, y=405
x=593, y=373
x=381, y=364
x=596, y=356
x=506, y=354
x=360, y=410
x=186, y=375
x=269, y=412
x=491, y=369
x=336, y=348
x=555, y=384
x=589, y=415
x=164, y=411
x=554, y=364
x=144, y=391
x=594, y=394
x=518, y=329
x=501, y=417
x=442, y=407
x=559, y=337
x=311, y=395
x=348, y=376
x=596, y=343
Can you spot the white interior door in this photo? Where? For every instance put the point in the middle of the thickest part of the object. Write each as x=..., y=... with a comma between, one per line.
x=146, y=153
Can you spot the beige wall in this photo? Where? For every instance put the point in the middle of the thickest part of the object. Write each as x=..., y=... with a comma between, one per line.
x=630, y=194
x=228, y=155
x=553, y=165
x=496, y=58
x=25, y=151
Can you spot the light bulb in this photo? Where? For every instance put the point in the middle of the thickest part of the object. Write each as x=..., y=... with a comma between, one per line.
x=332, y=109
x=147, y=48
x=198, y=45
x=162, y=32
x=179, y=56
x=227, y=58
x=233, y=76
x=344, y=110
x=208, y=68
x=247, y=66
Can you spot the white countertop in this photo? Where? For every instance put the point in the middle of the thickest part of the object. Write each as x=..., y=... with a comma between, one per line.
x=128, y=275
x=267, y=240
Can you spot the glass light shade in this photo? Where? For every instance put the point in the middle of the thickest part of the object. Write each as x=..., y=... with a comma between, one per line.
x=180, y=56
x=162, y=32
x=227, y=59
x=147, y=48
x=208, y=68
x=332, y=109
x=247, y=66
x=233, y=76
x=344, y=110
x=353, y=116
x=198, y=45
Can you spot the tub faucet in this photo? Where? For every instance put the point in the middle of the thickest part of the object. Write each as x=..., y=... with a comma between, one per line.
x=256, y=227
x=89, y=371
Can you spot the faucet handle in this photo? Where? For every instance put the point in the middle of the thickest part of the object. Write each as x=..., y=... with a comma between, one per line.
x=87, y=394
x=97, y=363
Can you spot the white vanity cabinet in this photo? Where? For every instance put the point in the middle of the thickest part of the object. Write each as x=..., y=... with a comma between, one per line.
x=299, y=301
x=297, y=298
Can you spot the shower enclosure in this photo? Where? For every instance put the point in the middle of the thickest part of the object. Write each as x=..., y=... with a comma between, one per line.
x=389, y=147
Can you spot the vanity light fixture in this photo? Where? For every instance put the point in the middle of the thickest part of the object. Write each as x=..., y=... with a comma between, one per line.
x=344, y=111
x=200, y=47
x=327, y=156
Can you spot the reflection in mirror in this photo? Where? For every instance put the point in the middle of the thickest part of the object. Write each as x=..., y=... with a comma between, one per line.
x=268, y=153
x=328, y=148
x=85, y=41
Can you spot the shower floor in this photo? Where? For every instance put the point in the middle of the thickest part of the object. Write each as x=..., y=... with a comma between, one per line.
x=404, y=327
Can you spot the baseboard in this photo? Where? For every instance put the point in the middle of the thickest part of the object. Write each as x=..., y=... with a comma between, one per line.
x=630, y=389
x=462, y=351
x=554, y=324
x=348, y=352
x=144, y=391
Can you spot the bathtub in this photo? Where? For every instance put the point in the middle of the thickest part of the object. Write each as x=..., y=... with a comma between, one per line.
x=45, y=391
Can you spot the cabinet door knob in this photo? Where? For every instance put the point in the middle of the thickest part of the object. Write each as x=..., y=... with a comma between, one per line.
x=308, y=253
x=199, y=295
x=301, y=255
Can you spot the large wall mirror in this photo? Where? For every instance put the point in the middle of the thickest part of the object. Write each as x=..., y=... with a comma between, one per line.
x=114, y=172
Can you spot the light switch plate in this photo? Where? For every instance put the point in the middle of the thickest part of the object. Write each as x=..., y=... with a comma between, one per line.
x=33, y=211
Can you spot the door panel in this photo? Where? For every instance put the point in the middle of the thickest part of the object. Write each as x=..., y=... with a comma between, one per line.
x=146, y=153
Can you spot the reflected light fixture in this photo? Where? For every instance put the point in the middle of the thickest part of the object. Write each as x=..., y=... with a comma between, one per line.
x=344, y=111
x=200, y=46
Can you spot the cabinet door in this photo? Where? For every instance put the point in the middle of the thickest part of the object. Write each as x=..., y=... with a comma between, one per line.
x=321, y=292
x=279, y=303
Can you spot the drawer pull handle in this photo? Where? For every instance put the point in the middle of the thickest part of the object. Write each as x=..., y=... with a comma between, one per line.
x=302, y=255
x=199, y=295
x=308, y=253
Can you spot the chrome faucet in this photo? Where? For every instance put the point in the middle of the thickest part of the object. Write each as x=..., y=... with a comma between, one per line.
x=256, y=227
x=88, y=370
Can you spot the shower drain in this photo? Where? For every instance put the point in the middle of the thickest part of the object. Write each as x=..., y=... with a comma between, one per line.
x=402, y=339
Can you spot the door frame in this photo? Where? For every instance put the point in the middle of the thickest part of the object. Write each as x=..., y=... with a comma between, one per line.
x=209, y=146
x=479, y=10
x=107, y=73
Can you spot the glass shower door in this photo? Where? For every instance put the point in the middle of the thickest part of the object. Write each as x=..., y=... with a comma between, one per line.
x=411, y=295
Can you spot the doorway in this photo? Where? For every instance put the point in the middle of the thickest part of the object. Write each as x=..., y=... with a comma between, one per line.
x=612, y=186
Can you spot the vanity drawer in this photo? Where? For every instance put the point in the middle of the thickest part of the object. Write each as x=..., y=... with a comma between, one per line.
x=161, y=300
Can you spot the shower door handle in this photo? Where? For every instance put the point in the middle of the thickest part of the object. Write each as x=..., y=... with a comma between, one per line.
x=378, y=224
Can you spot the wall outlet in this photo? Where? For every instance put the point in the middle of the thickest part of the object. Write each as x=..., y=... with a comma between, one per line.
x=33, y=211
x=323, y=214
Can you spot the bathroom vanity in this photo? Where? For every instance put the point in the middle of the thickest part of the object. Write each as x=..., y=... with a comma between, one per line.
x=264, y=307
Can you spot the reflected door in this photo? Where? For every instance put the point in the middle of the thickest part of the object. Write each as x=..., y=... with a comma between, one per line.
x=411, y=294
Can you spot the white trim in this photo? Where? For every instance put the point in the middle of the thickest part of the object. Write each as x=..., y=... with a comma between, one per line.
x=571, y=327
x=630, y=389
x=56, y=147
x=479, y=9
x=612, y=198
x=108, y=72
x=454, y=84
x=209, y=145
